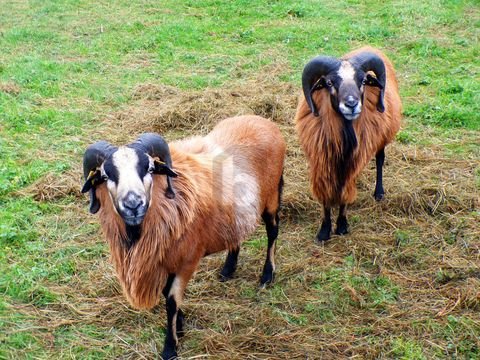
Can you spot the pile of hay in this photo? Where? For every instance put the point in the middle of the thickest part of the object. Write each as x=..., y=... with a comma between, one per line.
x=421, y=244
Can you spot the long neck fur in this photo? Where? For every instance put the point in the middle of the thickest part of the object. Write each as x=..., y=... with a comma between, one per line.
x=141, y=267
x=349, y=144
x=330, y=143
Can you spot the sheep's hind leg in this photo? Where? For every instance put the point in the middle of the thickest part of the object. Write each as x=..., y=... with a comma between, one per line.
x=342, y=224
x=379, y=161
x=230, y=265
x=271, y=224
x=326, y=228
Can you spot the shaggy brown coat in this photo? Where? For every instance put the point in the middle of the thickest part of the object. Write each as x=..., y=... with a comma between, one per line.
x=205, y=216
x=321, y=137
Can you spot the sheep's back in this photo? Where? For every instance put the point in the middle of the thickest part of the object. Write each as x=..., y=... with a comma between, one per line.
x=236, y=169
x=258, y=149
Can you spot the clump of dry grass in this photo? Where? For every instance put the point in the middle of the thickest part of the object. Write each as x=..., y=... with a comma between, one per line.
x=422, y=241
x=54, y=186
x=166, y=109
x=10, y=88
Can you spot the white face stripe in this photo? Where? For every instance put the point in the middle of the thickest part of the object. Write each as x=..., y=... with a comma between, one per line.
x=346, y=71
x=125, y=160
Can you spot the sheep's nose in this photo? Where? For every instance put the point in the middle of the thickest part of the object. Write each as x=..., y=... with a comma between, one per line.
x=351, y=102
x=132, y=201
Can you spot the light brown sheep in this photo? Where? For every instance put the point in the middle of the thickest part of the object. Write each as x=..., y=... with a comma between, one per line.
x=224, y=183
x=358, y=115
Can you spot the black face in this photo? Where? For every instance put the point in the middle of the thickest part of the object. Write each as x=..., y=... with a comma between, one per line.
x=111, y=172
x=144, y=165
x=346, y=86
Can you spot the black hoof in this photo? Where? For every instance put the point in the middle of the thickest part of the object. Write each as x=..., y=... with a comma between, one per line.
x=268, y=275
x=267, y=279
x=225, y=275
x=342, y=226
x=324, y=233
x=169, y=354
x=379, y=195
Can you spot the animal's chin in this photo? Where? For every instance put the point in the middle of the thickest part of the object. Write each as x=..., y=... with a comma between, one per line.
x=133, y=220
x=351, y=117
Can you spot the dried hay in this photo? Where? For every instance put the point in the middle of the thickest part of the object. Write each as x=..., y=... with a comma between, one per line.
x=10, y=88
x=424, y=238
x=55, y=186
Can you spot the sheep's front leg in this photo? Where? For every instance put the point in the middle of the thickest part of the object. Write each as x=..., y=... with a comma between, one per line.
x=379, y=161
x=271, y=224
x=171, y=339
x=174, y=318
x=342, y=224
x=326, y=228
x=230, y=265
x=173, y=292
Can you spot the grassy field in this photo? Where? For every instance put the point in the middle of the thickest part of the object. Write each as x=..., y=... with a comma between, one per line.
x=405, y=283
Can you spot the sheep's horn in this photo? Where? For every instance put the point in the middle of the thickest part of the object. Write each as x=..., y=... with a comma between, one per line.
x=368, y=61
x=155, y=146
x=314, y=70
x=94, y=156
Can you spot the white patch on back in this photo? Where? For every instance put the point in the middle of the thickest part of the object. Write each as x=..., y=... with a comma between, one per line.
x=246, y=192
x=239, y=189
x=346, y=71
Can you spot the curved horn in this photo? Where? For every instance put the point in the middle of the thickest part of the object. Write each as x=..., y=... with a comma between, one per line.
x=314, y=70
x=94, y=156
x=368, y=61
x=155, y=146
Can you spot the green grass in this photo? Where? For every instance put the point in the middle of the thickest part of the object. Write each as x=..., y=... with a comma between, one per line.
x=407, y=349
x=66, y=65
x=344, y=289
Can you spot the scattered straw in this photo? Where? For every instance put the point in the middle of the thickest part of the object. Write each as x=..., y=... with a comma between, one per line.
x=424, y=238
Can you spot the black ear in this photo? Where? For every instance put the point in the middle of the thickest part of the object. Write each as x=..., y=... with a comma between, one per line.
x=163, y=169
x=373, y=81
x=319, y=84
x=93, y=179
x=94, y=203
